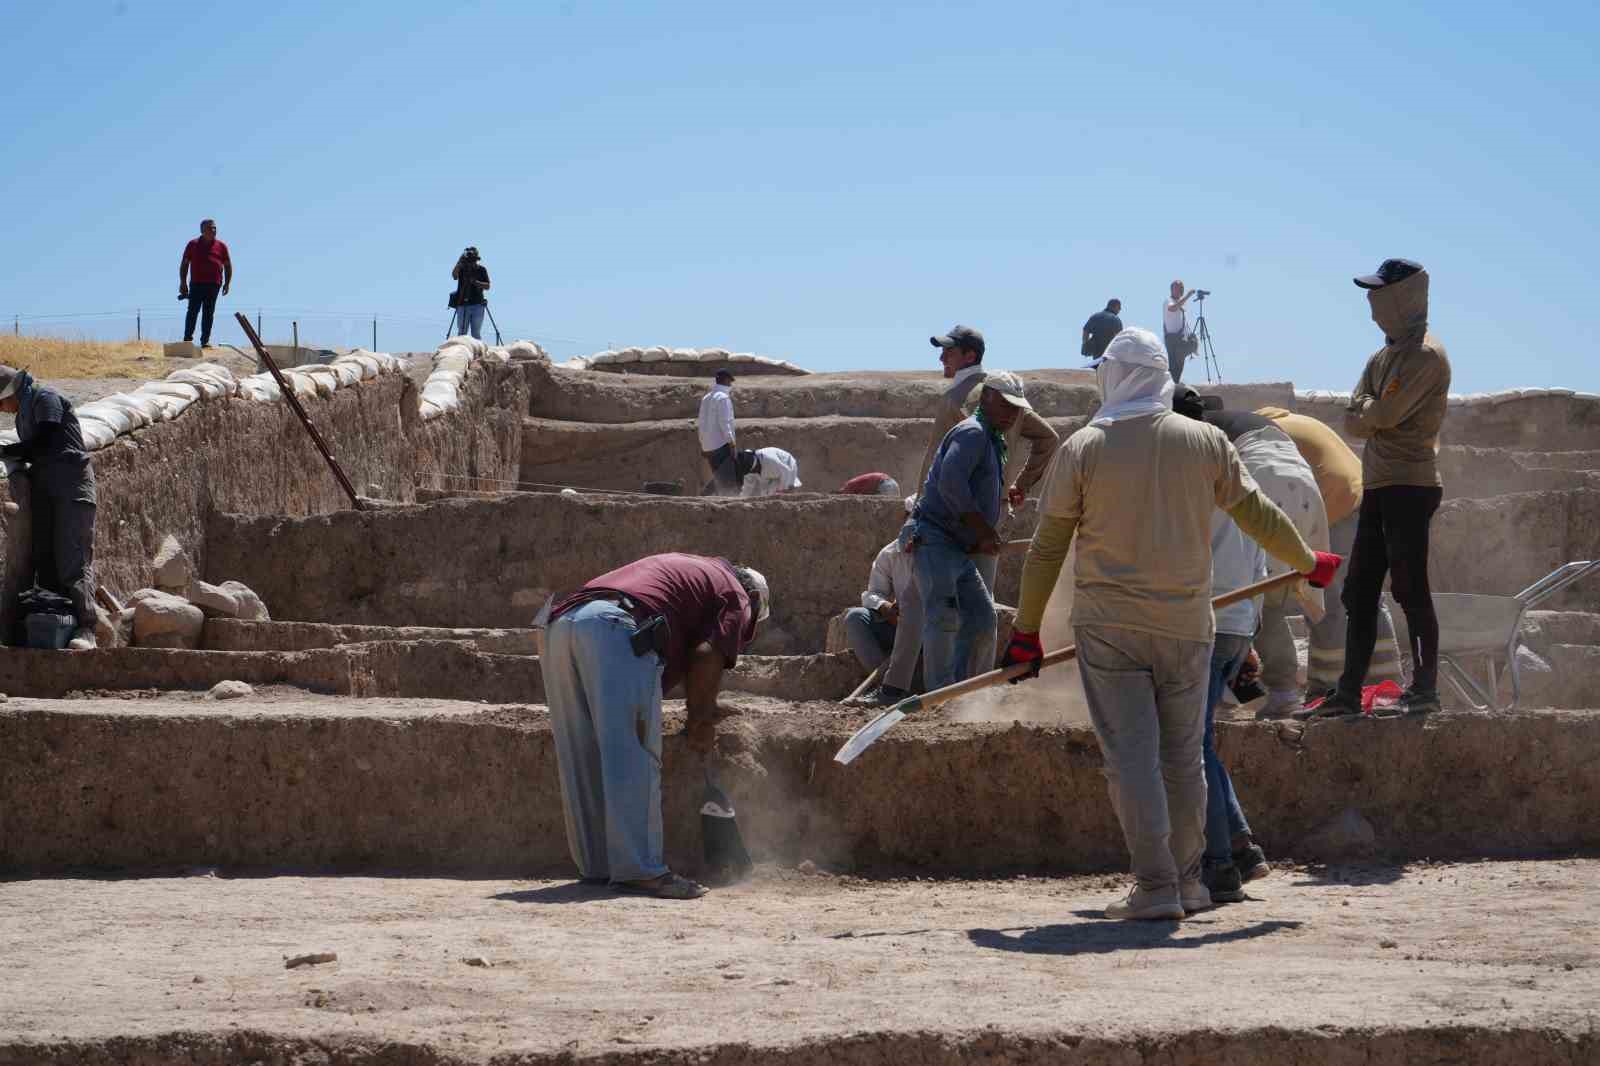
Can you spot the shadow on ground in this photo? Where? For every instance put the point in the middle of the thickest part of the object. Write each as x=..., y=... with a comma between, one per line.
x=1097, y=935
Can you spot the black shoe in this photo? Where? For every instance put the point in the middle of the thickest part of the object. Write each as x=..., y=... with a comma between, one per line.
x=1420, y=701
x=1223, y=882
x=1251, y=862
x=1337, y=705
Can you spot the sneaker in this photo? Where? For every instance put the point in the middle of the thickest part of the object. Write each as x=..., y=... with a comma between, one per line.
x=882, y=696
x=1420, y=702
x=83, y=640
x=1222, y=881
x=1337, y=705
x=1195, y=897
x=1251, y=862
x=1141, y=906
x=1284, y=703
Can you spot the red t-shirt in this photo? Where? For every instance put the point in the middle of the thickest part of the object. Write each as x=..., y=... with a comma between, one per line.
x=864, y=484
x=206, y=260
x=700, y=597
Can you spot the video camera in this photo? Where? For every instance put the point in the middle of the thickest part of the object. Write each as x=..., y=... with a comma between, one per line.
x=1202, y=293
x=470, y=255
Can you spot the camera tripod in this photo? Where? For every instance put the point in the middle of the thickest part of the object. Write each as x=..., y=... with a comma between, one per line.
x=1202, y=336
x=455, y=316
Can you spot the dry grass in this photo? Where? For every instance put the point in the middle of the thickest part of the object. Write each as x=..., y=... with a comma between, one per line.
x=56, y=357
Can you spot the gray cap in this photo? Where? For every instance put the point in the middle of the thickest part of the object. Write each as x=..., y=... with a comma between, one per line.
x=960, y=337
x=1008, y=385
x=10, y=377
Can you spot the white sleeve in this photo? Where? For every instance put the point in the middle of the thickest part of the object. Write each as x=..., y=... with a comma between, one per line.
x=727, y=414
x=880, y=586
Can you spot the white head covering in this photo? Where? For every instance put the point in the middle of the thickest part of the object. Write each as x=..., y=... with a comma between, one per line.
x=751, y=578
x=1133, y=378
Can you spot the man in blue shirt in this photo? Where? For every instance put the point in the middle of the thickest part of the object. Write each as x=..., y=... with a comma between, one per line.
x=956, y=517
x=1101, y=327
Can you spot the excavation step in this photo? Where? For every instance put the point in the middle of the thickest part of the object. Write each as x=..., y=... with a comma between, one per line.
x=302, y=782
x=1480, y=964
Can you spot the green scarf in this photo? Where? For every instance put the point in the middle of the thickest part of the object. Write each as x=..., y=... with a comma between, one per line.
x=996, y=437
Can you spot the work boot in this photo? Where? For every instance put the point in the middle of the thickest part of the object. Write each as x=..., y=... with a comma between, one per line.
x=1337, y=705
x=1162, y=904
x=1195, y=897
x=1281, y=703
x=1251, y=862
x=1222, y=881
x=83, y=640
x=1420, y=701
x=882, y=696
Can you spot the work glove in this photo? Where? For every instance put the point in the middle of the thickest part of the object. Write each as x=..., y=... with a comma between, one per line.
x=1327, y=565
x=1024, y=648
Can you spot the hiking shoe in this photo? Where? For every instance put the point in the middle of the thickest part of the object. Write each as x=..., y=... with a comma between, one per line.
x=1251, y=862
x=882, y=696
x=1280, y=704
x=1419, y=702
x=1196, y=897
x=1142, y=906
x=1223, y=881
x=1337, y=705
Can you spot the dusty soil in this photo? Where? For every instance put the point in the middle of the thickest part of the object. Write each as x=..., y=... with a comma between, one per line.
x=793, y=958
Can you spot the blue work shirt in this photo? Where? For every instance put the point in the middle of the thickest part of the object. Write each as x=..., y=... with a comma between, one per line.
x=965, y=476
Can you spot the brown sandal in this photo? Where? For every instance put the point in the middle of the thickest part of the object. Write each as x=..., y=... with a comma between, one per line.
x=668, y=886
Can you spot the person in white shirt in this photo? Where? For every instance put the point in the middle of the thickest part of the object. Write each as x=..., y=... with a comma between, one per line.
x=716, y=436
x=888, y=624
x=766, y=472
x=1180, y=342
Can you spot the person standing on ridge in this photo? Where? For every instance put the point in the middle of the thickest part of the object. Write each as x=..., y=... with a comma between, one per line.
x=472, y=281
x=1101, y=328
x=1179, y=341
x=1397, y=407
x=715, y=425
x=1137, y=487
x=204, y=272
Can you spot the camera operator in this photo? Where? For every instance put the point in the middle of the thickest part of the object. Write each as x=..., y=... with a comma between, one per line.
x=472, y=281
x=1180, y=340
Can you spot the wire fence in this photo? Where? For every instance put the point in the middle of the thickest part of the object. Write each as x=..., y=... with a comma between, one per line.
x=379, y=331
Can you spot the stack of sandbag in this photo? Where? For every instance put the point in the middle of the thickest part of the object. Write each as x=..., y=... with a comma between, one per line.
x=442, y=391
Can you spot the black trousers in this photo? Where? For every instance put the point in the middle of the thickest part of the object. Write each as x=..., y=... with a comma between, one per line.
x=202, y=297
x=724, y=476
x=1391, y=538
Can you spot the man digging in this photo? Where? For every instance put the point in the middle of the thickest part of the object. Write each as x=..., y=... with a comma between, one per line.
x=611, y=649
x=1137, y=487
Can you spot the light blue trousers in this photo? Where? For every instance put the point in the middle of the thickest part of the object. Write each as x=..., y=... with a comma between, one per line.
x=605, y=712
x=469, y=317
x=958, y=612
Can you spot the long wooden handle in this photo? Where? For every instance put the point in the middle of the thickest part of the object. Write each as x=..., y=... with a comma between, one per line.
x=872, y=679
x=1061, y=655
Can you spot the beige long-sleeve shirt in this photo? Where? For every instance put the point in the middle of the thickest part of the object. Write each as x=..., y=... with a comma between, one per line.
x=957, y=404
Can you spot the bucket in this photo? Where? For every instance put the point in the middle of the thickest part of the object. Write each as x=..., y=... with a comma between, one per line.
x=51, y=631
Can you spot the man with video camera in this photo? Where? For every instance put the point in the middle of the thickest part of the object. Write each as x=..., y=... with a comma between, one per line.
x=1180, y=340
x=472, y=281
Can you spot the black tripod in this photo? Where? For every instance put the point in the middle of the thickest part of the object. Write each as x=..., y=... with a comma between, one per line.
x=1202, y=336
x=455, y=316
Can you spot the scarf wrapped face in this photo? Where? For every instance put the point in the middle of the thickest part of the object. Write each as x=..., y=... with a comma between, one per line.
x=997, y=436
x=1133, y=378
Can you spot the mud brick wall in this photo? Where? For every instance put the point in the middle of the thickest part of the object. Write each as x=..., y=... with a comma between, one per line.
x=492, y=562
x=1500, y=546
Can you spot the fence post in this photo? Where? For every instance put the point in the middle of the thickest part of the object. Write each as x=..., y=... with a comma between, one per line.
x=374, y=332
x=258, y=321
x=296, y=325
x=138, y=324
x=16, y=326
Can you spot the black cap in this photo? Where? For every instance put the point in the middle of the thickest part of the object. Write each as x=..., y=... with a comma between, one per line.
x=1391, y=271
x=960, y=337
x=723, y=377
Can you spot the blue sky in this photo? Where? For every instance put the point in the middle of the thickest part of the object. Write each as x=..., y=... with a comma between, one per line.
x=828, y=183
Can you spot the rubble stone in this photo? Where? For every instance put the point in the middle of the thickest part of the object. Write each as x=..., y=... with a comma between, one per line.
x=162, y=620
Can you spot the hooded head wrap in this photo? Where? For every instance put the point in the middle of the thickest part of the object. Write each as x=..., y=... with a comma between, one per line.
x=1133, y=378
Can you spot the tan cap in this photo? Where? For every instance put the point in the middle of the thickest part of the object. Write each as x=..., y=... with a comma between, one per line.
x=1008, y=385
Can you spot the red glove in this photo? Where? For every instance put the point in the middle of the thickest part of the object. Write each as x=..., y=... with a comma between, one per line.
x=1024, y=648
x=1327, y=565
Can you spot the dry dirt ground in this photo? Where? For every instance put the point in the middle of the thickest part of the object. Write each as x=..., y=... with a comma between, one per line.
x=789, y=959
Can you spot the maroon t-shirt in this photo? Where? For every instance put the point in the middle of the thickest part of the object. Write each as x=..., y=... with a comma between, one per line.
x=206, y=260
x=700, y=597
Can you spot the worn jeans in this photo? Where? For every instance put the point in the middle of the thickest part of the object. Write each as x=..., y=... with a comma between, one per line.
x=1224, y=817
x=1392, y=539
x=202, y=303
x=871, y=636
x=58, y=545
x=469, y=320
x=1147, y=702
x=1326, y=657
x=958, y=612
x=605, y=714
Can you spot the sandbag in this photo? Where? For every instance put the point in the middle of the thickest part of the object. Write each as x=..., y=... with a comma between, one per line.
x=211, y=379
x=346, y=373
x=113, y=415
x=96, y=434
x=260, y=388
x=138, y=413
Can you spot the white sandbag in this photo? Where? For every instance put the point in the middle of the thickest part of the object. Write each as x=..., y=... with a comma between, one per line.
x=365, y=361
x=347, y=374
x=178, y=390
x=713, y=355
x=211, y=386
x=260, y=388
x=441, y=395
x=577, y=362
x=309, y=385
x=96, y=434
x=428, y=410
x=113, y=415
x=655, y=354
x=686, y=355
x=624, y=355
x=389, y=364
x=137, y=412
x=166, y=407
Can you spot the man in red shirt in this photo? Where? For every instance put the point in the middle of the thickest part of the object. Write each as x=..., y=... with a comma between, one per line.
x=610, y=650
x=205, y=261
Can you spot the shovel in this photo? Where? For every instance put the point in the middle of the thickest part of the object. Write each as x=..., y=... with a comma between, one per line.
x=867, y=734
x=725, y=853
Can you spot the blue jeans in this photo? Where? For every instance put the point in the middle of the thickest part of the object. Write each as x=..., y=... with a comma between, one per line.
x=605, y=714
x=470, y=318
x=1224, y=816
x=871, y=638
x=958, y=612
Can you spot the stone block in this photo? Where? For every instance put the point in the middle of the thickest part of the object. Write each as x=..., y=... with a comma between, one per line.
x=162, y=620
x=173, y=568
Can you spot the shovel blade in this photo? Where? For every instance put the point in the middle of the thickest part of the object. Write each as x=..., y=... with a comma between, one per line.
x=868, y=733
